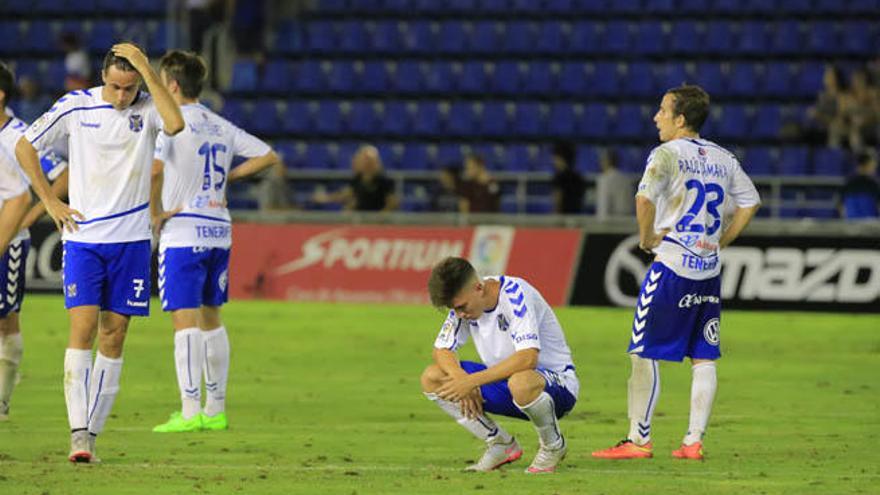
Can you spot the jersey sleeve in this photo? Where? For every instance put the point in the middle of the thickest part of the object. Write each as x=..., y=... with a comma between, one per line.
x=523, y=325
x=658, y=171
x=247, y=145
x=742, y=189
x=52, y=163
x=453, y=334
x=53, y=125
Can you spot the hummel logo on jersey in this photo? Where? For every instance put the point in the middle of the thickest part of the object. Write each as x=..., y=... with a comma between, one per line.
x=93, y=125
x=136, y=123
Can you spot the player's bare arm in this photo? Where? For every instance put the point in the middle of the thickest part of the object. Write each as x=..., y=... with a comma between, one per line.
x=741, y=218
x=63, y=215
x=471, y=405
x=158, y=215
x=172, y=118
x=59, y=188
x=645, y=214
x=253, y=166
x=458, y=387
x=11, y=213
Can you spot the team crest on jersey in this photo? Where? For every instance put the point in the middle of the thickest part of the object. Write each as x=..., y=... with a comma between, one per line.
x=503, y=324
x=136, y=122
x=710, y=331
x=71, y=290
x=223, y=279
x=702, y=151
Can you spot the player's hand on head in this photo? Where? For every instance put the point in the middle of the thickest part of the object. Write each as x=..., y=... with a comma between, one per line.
x=64, y=216
x=133, y=54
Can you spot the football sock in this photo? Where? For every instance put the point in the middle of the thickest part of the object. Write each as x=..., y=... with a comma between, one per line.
x=77, y=373
x=643, y=390
x=10, y=357
x=216, y=369
x=703, y=387
x=188, y=359
x=481, y=427
x=542, y=412
x=102, y=390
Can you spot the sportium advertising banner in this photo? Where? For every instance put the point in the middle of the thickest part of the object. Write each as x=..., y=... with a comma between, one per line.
x=794, y=273
x=390, y=264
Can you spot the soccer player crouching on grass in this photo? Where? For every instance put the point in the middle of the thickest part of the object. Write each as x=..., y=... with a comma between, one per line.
x=527, y=371
x=688, y=184
x=188, y=204
x=111, y=135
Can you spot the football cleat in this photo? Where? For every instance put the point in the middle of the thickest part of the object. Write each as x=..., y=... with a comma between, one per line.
x=79, y=447
x=94, y=459
x=216, y=422
x=625, y=449
x=496, y=455
x=547, y=459
x=177, y=424
x=693, y=451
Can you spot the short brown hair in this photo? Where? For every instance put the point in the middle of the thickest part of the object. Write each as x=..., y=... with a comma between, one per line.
x=692, y=102
x=121, y=63
x=447, y=279
x=7, y=84
x=188, y=69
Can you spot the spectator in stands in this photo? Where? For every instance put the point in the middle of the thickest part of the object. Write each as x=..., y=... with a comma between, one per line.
x=31, y=104
x=369, y=190
x=860, y=111
x=861, y=193
x=614, y=190
x=568, y=185
x=480, y=193
x=826, y=112
x=273, y=190
x=444, y=194
x=77, y=67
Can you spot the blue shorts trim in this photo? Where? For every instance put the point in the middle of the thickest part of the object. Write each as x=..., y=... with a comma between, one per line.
x=12, y=276
x=677, y=317
x=498, y=399
x=113, y=276
x=192, y=277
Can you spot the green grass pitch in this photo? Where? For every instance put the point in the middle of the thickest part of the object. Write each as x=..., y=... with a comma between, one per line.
x=325, y=399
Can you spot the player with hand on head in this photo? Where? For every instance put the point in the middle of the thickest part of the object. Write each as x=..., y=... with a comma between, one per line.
x=111, y=135
x=190, y=175
x=526, y=373
x=688, y=184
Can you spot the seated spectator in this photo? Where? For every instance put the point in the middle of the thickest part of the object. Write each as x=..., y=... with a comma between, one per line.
x=861, y=192
x=31, y=104
x=78, y=70
x=273, y=189
x=826, y=112
x=860, y=109
x=369, y=190
x=615, y=195
x=568, y=185
x=444, y=194
x=479, y=191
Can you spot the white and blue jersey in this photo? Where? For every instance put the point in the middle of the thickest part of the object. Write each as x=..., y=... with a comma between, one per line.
x=522, y=319
x=692, y=183
x=12, y=185
x=107, y=260
x=194, y=244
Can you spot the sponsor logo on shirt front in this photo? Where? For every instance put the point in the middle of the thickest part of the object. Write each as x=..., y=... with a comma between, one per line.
x=699, y=264
x=213, y=231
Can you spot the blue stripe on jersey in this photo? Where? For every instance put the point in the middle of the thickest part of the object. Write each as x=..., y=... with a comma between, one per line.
x=116, y=215
x=97, y=107
x=204, y=217
x=6, y=124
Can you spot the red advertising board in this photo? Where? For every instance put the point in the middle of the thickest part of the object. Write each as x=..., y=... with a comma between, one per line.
x=389, y=264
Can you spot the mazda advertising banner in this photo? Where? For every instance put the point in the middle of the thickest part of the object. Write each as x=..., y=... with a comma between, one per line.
x=772, y=272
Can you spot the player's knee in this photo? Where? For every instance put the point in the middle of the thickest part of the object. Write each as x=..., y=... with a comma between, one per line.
x=431, y=378
x=525, y=386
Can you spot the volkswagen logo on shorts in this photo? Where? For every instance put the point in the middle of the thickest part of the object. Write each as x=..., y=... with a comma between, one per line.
x=710, y=331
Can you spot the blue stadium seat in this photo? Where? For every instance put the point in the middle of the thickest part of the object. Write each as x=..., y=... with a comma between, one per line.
x=408, y=77
x=54, y=75
x=310, y=77
x=395, y=118
x=341, y=76
x=328, y=117
x=573, y=79
x=673, y=74
x=505, y=78
x=40, y=38
x=685, y=38
x=277, y=77
x=494, y=120
x=550, y=38
x=353, y=36
x=734, y=123
x=753, y=38
x=562, y=120
x=743, y=79
x=864, y=6
x=321, y=36
x=795, y=6
x=829, y=162
x=26, y=68
x=787, y=38
x=518, y=37
x=603, y=79
x=719, y=38
x=587, y=159
x=318, y=157
x=344, y=153
x=822, y=38
x=385, y=37
x=809, y=80
x=244, y=76
x=638, y=79
x=594, y=121
x=660, y=6
x=485, y=37
x=767, y=122
x=629, y=121
x=538, y=79
x=462, y=119
x=528, y=119
x=584, y=37
x=265, y=120
x=288, y=37
x=463, y=6
x=49, y=6
x=235, y=112
x=427, y=118
x=334, y=5
x=448, y=153
x=710, y=77
x=290, y=152
x=452, y=37
x=631, y=158
x=516, y=158
x=616, y=38
x=777, y=80
x=297, y=118
x=374, y=77
x=417, y=36
x=362, y=117
x=415, y=157
x=11, y=37
x=472, y=78
x=157, y=37
x=650, y=38
x=857, y=38
x=794, y=160
x=494, y=6
x=760, y=161
x=692, y=6
x=439, y=77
